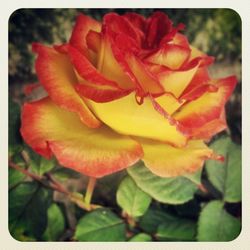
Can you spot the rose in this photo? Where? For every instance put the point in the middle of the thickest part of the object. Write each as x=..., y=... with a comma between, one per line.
x=127, y=89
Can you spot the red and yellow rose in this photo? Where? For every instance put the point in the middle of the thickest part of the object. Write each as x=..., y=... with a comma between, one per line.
x=126, y=89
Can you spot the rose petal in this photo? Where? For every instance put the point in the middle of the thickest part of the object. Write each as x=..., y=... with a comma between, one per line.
x=170, y=55
x=56, y=74
x=201, y=77
x=100, y=94
x=87, y=71
x=78, y=38
x=110, y=67
x=148, y=82
x=196, y=53
x=208, y=106
x=127, y=117
x=116, y=24
x=210, y=129
x=93, y=40
x=167, y=161
x=136, y=20
x=176, y=81
x=49, y=130
x=168, y=102
x=158, y=25
x=200, y=84
x=181, y=40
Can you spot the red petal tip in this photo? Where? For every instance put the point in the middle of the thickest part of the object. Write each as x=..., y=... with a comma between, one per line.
x=216, y=157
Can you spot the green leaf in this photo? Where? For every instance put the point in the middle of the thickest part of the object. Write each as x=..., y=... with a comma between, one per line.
x=215, y=224
x=62, y=173
x=141, y=237
x=28, y=203
x=150, y=221
x=15, y=177
x=15, y=140
x=39, y=165
x=131, y=198
x=100, y=225
x=226, y=176
x=56, y=223
x=195, y=177
x=19, y=198
x=179, y=229
x=167, y=190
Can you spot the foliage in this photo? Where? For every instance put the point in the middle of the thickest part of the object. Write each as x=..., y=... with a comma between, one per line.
x=46, y=201
x=166, y=211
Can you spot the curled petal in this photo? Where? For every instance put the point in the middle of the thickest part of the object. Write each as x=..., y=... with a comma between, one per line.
x=200, y=84
x=198, y=91
x=200, y=78
x=136, y=20
x=158, y=25
x=110, y=67
x=56, y=74
x=86, y=70
x=181, y=40
x=83, y=25
x=169, y=102
x=208, y=106
x=93, y=40
x=170, y=55
x=100, y=94
x=115, y=24
x=210, y=129
x=176, y=81
x=196, y=53
x=148, y=82
x=167, y=161
x=50, y=130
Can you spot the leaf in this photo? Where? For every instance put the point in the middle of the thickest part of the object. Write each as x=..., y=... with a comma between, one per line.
x=39, y=165
x=19, y=198
x=215, y=224
x=195, y=177
x=150, y=221
x=141, y=237
x=15, y=177
x=62, y=173
x=179, y=229
x=131, y=198
x=15, y=140
x=226, y=176
x=56, y=223
x=167, y=190
x=28, y=203
x=100, y=225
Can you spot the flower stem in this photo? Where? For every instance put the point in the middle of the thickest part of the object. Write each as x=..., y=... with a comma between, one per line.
x=51, y=183
x=89, y=191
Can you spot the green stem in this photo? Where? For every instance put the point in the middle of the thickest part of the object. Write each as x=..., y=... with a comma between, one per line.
x=90, y=190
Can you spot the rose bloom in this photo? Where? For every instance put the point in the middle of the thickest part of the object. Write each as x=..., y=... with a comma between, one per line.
x=126, y=89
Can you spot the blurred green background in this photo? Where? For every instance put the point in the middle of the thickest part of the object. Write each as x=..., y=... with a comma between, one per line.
x=214, y=31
